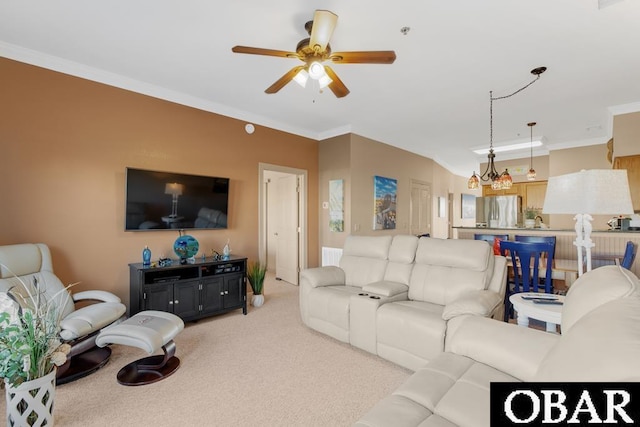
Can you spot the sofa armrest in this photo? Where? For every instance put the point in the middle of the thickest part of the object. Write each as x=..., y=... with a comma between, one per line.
x=479, y=303
x=323, y=276
x=386, y=288
x=95, y=295
x=513, y=349
x=498, y=281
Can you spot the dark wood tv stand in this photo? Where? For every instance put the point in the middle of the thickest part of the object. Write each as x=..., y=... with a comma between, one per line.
x=191, y=291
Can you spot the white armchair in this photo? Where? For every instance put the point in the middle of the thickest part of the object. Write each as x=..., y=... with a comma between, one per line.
x=79, y=326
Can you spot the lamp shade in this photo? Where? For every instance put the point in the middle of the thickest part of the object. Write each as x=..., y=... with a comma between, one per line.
x=595, y=191
x=173, y=188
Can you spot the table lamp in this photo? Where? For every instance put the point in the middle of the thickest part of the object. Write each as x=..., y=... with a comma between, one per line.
x=596, y=191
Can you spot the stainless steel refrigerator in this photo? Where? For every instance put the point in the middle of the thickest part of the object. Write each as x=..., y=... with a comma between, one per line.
x=499, y=211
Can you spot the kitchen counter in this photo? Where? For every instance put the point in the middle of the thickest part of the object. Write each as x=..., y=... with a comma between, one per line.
x=518, y=229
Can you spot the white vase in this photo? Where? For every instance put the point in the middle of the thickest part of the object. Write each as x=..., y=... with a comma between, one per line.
x=529, y=223
x=257, y=300
x=31, y=403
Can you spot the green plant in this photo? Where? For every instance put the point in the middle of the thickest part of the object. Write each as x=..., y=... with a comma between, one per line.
x=30, y=346
x=255, y=274
x=530, y=212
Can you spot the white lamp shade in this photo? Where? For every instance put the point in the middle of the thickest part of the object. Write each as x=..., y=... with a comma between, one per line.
x=302, y=77
x=173, y=188
x=324, y=81
x=596, y=191
x=316, y=70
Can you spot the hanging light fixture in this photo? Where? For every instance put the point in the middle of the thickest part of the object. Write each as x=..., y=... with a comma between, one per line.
x=499, y=181
x=531, y=175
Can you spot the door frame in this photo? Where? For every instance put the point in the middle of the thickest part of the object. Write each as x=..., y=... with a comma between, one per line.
x=302, y=211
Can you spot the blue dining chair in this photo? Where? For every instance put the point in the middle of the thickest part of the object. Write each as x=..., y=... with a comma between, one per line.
x=629, y=255
x=538, y=239
x=528, y=261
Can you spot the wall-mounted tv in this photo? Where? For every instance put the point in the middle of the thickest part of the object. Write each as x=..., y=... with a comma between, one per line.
x=169, y=201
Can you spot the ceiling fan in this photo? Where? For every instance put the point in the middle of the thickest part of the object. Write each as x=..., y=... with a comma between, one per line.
x=315, y=50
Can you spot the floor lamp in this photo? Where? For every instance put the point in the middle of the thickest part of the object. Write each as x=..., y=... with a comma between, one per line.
x=174, y=190
x=586, y=193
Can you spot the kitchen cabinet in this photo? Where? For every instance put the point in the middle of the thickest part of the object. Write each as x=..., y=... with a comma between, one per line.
x=532, y=192
x=191, y=291
x=632, y=165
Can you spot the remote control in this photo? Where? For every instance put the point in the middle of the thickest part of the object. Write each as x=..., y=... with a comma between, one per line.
x=531, y=297
x=547, y=301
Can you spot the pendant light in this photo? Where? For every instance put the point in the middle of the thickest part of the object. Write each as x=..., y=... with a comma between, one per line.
x=499, y=181
x=531, y=175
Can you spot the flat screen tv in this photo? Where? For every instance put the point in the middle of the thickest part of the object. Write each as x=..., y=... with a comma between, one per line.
x=169, y=201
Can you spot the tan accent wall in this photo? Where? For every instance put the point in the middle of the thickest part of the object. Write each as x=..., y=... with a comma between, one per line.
x=64, y=146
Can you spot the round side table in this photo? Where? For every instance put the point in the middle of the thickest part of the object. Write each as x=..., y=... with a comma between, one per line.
x=528, y=309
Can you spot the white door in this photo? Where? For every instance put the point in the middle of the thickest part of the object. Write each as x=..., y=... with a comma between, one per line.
x=420, y=208
x=287, y=229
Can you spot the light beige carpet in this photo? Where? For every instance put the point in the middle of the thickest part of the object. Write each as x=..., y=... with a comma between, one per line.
x=262, y=369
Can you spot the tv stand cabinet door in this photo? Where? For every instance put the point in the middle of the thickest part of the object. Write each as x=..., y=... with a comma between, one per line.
x=158, y=297
x=233, y=296
x=211, y=296
x=186, y=299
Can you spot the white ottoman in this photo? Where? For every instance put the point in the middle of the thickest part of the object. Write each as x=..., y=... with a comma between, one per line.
x=149, y=330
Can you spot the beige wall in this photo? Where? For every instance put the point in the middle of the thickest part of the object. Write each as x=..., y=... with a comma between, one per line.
x=573, y=160
x=626, y=134
x=64, y=146
x=334, y=163
x=518, y=168
x=357, y=159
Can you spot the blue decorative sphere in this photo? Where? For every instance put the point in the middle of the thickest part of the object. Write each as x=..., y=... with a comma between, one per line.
x=186, y=246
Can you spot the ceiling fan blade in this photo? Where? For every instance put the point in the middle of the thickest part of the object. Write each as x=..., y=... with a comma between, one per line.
x=364, y=57
x=282, y=81
x=267, y=52
x=324, y=22
x=337, y=87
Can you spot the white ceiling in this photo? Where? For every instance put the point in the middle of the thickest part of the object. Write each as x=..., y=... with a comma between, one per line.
x=434, y=100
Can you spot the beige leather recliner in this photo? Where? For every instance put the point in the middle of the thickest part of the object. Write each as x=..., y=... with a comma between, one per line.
x=22, y=263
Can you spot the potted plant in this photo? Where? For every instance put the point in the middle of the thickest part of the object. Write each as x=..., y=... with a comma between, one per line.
x=255, y=273
x=30, y=350
x=530, y=214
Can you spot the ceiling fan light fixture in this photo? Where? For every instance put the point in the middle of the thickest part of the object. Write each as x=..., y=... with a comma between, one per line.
x=324, y=81
x=531, y=175
x=316, y=70
x=302, y=77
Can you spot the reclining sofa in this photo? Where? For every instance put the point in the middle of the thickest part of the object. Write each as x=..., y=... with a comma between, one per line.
x=600, y=342
x=393, y=295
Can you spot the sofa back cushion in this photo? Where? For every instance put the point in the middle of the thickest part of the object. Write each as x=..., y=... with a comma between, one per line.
x=364, y=259
x=604, y=345
x=447, y=268
x=402, y=253
x=595, y=288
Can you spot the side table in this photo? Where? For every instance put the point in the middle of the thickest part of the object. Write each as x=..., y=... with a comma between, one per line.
x=527, y=308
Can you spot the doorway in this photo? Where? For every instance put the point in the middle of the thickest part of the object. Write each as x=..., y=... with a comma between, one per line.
x=420, y=208
x=282, y=229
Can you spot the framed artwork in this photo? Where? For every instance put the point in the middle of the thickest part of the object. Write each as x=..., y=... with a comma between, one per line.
x=384, y=203
x=468, y=206
x=336, y=205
